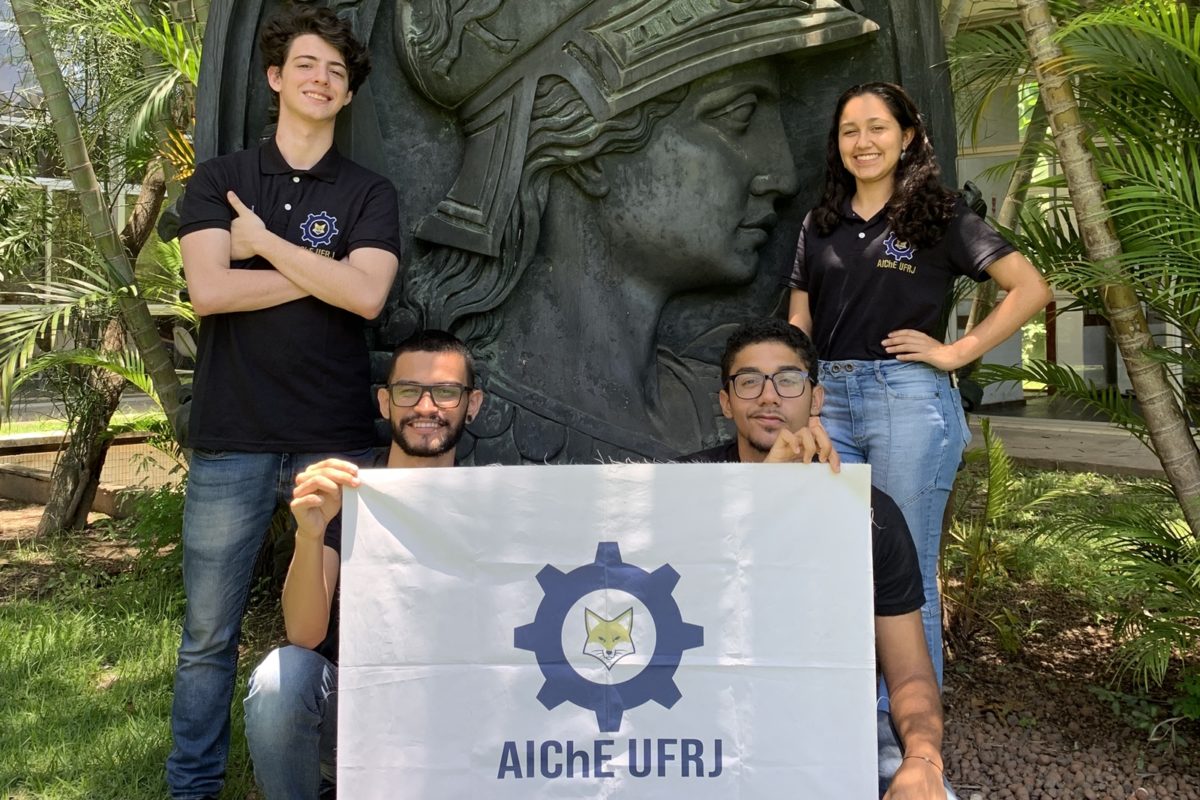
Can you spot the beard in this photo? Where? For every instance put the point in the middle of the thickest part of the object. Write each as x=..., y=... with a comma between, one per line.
x=445, y=442
x=760, y=445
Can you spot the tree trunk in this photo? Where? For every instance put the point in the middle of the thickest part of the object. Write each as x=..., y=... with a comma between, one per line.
x=952, y=18
x=76, y=474
x=145, y=211
x=134, y=310
x=192, y=13
x=1010, y=210
x=1167, y=425
x=1018, y=184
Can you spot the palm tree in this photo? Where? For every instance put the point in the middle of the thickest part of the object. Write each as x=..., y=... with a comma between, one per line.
x=1164, y=416
x=134, y=310
x=1121, y=87
x=106, y=367
x=1106, y=131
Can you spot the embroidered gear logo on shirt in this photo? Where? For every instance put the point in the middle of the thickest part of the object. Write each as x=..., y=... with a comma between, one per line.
x=319, y=229
x=898, y=249
x=608, y=574
x=900, y=254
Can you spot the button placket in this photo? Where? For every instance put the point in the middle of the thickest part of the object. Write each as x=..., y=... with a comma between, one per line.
x=289, y=205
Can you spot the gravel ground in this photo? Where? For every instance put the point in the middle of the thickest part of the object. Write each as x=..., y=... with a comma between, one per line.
x=1031, y=725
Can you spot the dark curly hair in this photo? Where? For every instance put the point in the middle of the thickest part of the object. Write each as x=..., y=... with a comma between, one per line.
x=921, y=207
x=282, y=28
x=769, y=329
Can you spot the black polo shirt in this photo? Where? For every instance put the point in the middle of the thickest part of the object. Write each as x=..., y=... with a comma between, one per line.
x=897, y=575
x=294, y=377
x=863, y=283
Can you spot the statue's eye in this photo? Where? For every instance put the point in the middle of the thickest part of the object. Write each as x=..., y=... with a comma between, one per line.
x=737, y=114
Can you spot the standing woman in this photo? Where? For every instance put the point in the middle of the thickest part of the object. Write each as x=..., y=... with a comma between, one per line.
x=873, y=267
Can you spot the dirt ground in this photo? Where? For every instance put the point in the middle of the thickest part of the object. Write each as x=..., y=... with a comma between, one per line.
x=1041, y=723
x=1018, y=727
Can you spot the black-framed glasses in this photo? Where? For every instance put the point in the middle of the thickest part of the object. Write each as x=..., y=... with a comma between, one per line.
x=787, y=382
x=443, y=395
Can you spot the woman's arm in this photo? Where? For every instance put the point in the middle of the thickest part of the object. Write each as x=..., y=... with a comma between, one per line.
x=798, y=311
x=1027, y=293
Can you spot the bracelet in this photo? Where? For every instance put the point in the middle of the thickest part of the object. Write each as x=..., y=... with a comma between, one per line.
x=926, y=759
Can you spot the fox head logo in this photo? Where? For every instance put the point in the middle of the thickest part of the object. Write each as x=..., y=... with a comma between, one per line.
x=318, y=229
x=898, y=248
x=608, y=640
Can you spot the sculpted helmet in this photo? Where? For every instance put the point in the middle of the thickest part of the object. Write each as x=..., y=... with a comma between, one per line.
x=483, y=59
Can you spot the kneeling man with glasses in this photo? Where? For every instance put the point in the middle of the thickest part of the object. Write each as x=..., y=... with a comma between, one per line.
x=769, y=389
x=291, y=708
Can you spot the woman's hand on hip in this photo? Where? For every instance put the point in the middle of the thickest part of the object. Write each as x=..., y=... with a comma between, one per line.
x=911, y=345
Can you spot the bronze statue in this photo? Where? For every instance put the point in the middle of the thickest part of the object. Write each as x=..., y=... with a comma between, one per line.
x=590, y=187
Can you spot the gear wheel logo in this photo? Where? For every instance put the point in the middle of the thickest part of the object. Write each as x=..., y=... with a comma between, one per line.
x=318, y=229
x=609, y=701
x=898, y=249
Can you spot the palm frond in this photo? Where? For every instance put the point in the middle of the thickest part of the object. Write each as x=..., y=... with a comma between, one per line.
x=1156, y=563
x=162, y=282
x=154, y=95
x=53, y=307
x=125, y=363
x=1151, y=44
x=179, y=151
x=173, y=43
x=983, y=62
x=999, y=475
x=1156, y=186
x=1071, y=386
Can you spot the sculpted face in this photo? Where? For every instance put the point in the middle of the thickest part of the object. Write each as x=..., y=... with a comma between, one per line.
x=694, y=206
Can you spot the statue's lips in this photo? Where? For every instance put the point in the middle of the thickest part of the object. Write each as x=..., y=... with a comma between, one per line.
x=760, y=228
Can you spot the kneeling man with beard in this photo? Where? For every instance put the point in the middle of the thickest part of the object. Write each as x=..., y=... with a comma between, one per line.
x=291, y=707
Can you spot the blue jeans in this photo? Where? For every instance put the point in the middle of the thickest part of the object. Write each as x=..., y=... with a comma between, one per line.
x=891, y=755
x=230, y=499
x=906, y=421
x=291, y=723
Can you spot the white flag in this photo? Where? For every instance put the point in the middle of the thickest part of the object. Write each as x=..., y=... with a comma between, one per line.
x=634, y=630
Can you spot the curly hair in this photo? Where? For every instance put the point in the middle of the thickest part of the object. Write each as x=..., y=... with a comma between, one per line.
x=920, y=207
x=769, y=329
x=282, y=28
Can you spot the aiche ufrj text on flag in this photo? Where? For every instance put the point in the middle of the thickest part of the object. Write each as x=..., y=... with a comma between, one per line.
x=626, y=630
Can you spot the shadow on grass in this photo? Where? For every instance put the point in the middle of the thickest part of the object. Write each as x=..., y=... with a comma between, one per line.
x=86, y=670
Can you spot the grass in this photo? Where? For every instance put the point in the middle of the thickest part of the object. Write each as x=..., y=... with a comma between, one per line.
x=9, y=427
x=89, y=628
x=1030, y=552
x=87, y=656
x=47, y=425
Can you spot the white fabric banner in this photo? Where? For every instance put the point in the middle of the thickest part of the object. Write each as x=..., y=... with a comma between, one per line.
x=626, y=630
